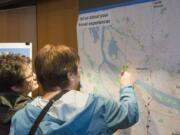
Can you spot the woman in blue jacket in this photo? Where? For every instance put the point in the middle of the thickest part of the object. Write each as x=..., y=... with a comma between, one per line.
x=75, y=113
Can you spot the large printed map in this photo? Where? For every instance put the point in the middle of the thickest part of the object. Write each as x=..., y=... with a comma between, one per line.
x=146, y=37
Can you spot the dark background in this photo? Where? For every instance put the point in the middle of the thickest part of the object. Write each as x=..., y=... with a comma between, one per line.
x=8, y=4
x=92, y=4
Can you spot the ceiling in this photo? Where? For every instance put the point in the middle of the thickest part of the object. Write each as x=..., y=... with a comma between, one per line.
x=8, y=4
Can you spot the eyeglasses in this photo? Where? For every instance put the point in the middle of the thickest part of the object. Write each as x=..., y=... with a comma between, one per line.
x=29, y=76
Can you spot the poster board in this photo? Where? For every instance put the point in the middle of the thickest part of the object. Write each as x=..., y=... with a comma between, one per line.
x=145, y=36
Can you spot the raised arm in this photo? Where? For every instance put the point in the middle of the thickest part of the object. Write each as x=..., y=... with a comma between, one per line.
x=122, y=114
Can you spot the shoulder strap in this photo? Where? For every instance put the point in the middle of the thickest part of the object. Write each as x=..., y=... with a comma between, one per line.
x=44, y=111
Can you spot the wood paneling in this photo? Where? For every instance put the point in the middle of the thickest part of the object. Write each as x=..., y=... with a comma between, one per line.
x=57, y=22
x=19, y=25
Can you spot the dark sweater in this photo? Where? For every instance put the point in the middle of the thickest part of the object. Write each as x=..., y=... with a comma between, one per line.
x=9, y=104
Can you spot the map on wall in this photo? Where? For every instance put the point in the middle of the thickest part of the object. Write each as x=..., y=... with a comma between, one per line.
x=145, y=38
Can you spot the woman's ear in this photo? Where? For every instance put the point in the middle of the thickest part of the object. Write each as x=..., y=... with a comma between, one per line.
x=70, y=76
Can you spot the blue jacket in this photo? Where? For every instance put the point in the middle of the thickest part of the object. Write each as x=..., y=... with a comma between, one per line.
x=79, y=114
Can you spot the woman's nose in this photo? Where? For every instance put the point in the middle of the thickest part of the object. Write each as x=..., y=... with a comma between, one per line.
x=34, y=76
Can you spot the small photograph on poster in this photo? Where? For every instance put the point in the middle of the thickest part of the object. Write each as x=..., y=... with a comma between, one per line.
x=21, y=48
